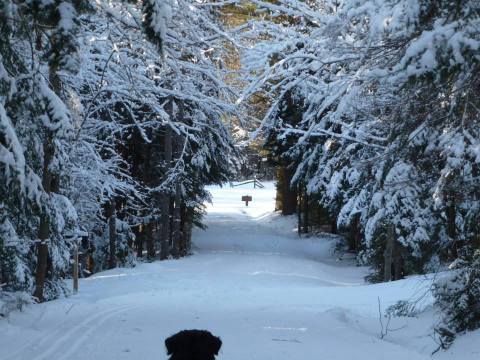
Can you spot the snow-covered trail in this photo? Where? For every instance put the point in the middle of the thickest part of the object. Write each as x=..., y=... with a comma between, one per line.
x=267, y=293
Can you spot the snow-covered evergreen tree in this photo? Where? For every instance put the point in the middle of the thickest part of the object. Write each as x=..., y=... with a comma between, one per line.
x=390, y=125
x=457, y=296
x=38, y=128
x=177, y=89
x=87, y=93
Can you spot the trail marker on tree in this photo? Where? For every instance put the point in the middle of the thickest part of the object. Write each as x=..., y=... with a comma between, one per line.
x=246, y=198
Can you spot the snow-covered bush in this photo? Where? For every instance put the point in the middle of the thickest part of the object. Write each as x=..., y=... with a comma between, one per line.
x=13, y=301
x=402, y=308
x=457, y=295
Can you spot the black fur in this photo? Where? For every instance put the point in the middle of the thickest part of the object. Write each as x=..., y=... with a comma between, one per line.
x=193, y=345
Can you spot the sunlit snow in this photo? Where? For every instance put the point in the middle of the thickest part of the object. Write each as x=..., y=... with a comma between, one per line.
x=252, y=281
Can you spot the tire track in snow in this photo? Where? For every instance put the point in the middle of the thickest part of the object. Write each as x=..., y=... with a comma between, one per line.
x=76, y=333
x=56, y=339
x=42, y=338
x=79, y=340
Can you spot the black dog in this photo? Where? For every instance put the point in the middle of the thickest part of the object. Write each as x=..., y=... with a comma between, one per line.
x=193, y=345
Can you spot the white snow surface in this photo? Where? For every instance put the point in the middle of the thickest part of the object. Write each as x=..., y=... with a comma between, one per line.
x=252, y=281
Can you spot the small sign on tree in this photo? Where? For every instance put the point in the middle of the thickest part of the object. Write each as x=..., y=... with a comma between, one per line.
x=246, y=198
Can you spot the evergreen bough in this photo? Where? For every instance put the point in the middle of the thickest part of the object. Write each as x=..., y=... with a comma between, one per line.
x=458, y=298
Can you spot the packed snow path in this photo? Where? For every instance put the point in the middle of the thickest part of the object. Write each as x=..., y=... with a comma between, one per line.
x=267, y=293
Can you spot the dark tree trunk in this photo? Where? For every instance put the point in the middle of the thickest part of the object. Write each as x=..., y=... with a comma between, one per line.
x=355, y=238
x=299, y=212
x=290, y=204
x=42, y=258
x=451, y=226
x=177, y=207
x=112, y=234
x=286, y=198
x=302, y=209
x=351, y=237
x=147, y=178
x=390, y=243
x=305, y=210
x=165, y=198
x=177, y=229
x=186, y=231
x=177, y=236
x=165, y=228
x=149, y=240
x=183, y=219
x=47, y=179
x=139, y=242
x=333, y=226
x=397, y=261
x=44, y=227
x=188, y=234
x=157, y=234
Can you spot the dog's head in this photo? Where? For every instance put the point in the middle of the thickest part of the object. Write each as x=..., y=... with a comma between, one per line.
x=193, y=345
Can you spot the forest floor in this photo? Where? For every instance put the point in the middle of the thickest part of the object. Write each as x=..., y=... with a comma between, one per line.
x=267, y=293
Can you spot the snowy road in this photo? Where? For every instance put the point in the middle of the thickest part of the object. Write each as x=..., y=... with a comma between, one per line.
x=252, y=281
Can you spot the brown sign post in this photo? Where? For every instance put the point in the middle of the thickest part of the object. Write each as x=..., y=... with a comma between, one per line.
x=246, y=198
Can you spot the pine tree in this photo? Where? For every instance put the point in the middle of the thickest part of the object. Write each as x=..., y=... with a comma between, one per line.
x=41, y=123
x=457, y=295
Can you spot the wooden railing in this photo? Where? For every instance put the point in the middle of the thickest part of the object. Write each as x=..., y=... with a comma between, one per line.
x=255, y=182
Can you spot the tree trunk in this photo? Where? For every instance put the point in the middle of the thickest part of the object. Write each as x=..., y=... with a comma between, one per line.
x=165, y=228
x=112, y=234
x=305, y=210
x=333, y=226
x=188, y=234
x=299, y=212
x=44, y=227
x=177, y=229
x=177, y=236
x=302, y=209
x=149, y=240
x=47, y=179
x=280, y=177
x=397, y=261
x=75, y=269
x=390, y=243
x=286, y=199
x=147, y=178
x=451, y=225
x=42, y=257
x=357, y=234
x=186, y=231
x=139, y=238
x=351, y=235
x=165, y=199
x=183, y=218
